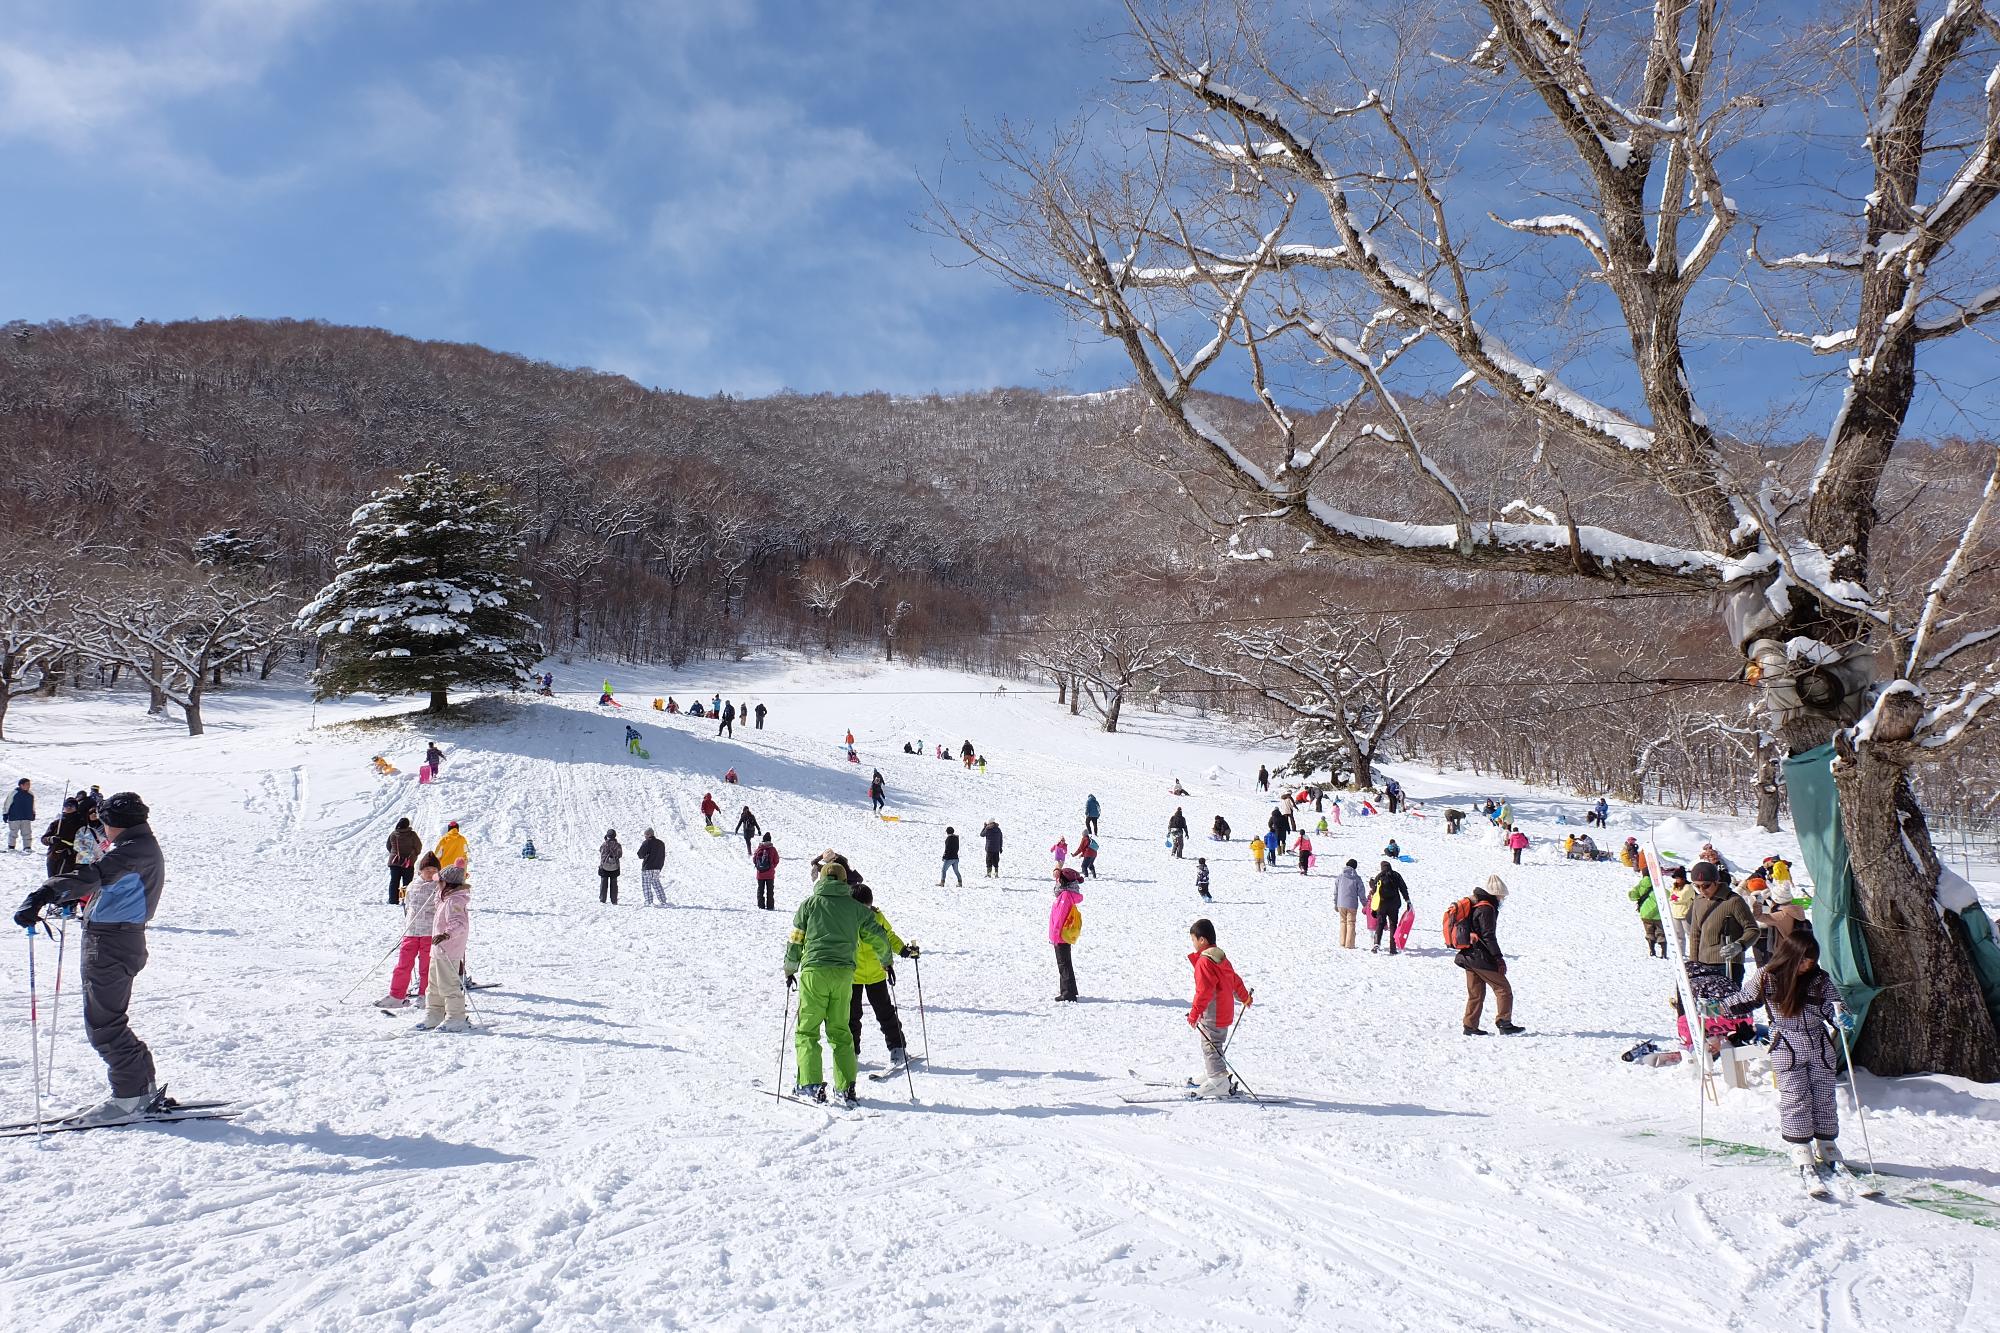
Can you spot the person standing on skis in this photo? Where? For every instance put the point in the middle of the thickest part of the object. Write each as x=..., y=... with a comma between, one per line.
x=1217, y=992
x=819, y=961
x=875, y=980
x=1805, y=1057
x=119, y=893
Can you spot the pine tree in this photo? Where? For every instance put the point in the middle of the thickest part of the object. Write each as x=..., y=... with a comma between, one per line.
x=428, y=595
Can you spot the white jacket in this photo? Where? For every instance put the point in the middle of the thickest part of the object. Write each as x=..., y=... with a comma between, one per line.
x=419, y=906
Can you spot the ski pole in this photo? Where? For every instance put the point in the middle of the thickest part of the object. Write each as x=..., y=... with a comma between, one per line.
x=1207, y=1041
x=922, y=1018
x=466, y=991
x=55, y=1005
x=35, y=1031
x=1854, y=1095
x=784, y=1028
x=373, y=968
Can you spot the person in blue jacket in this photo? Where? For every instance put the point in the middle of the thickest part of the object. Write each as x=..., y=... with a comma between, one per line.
x=20, y=816
x=1091, y=810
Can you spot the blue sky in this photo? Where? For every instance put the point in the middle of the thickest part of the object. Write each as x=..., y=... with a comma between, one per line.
x=706, y=196
x=703, y=196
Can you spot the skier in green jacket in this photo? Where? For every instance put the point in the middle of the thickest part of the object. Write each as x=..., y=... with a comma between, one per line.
x=820, y=961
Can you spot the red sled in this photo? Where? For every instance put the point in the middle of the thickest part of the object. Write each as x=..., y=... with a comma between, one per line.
x=1404, y=926
x=424, y=775
x=1368, y=917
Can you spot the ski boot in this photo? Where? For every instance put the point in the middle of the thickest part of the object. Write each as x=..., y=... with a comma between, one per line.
x=1807, y=1166
x=114, y=1110
x=392, y=1002
x=1213, y=1089
x=849, y=1098
x=810, y=1092
x=1835, y=1163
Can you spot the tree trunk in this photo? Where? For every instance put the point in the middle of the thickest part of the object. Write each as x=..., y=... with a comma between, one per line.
x=1114, y=705
x=192, y=706
x=437, y=701
x=1364, y=768
x=1929, y=1017
x=1075, y=696
x=5, y=699
x=1767, y=786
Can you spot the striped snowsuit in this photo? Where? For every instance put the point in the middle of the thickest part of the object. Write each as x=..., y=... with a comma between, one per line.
x=1804, y=1058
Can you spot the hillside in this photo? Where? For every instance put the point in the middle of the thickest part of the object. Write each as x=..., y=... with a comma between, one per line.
x=600, y=1153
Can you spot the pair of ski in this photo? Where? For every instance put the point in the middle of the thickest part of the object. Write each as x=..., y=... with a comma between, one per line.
x=1819, y=1179
x=1171, y=1092
x=833, y=1107
x=171, y=1113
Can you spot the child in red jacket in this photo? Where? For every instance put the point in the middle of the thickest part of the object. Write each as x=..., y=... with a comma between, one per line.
x=1217, y=992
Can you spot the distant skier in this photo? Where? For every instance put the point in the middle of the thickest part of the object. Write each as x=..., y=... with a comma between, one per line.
x=21, y=816
x=747, y=825
x=1065, y=926
x=765, y=861
x=878, y=791
x=1387, y=904
x=875, y=980
x=1217, y=992
x=118, y=894
x=1091, y=810
x=404, y=846
x=727, y=727
x=819, y=961
x=1348, y=893
x=652, y=860
x=760, y=717
x=950, y=863
x=610, y=859
x=994, y=839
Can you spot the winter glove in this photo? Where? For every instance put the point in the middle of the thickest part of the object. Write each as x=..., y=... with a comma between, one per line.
x=1846, y=1021
x=889, y=971
x=1731, y=951
x=1191, y=1021
x=32, y=905
x=910, y=950
x=791, y=982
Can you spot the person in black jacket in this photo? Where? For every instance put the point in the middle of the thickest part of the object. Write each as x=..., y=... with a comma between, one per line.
x=746, y=824
x=1177, y=831
x=62, y=852
x=1220, y=831
x=992, y=837
x=1263, y=778
x=727, y=727
x=119, y=893
x=652, y=860
x=1485, y=965
x=760, y=717
x=950, y=858
x=1390, y=895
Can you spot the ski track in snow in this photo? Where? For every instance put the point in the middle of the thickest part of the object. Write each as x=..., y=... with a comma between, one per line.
x=601, y=1154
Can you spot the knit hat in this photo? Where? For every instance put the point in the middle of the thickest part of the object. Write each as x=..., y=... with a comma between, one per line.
x=125, y=810
x=452, y=824
x=1496, y=886
x=454, y=875
x=834, y=870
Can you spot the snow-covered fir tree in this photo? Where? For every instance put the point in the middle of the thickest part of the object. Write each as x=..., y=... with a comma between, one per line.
x=428, y=595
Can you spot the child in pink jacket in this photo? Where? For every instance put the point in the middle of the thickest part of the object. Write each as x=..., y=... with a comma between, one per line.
x=444, y=1007
x=1061, y=851
x=1063, y=930
x=419, y=917
x=1517, y=842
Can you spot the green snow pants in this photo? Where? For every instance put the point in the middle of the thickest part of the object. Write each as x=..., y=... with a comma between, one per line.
x=824, y=996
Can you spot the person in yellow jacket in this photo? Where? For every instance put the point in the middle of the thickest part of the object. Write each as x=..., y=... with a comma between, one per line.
x=876, y=981
x=450, y=848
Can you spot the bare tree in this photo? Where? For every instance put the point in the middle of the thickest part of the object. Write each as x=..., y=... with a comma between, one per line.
x=29, y=645
x=1347, y=682
x=175, y=638
x=1276, y=224
x=1102, y=659
x=824, y=585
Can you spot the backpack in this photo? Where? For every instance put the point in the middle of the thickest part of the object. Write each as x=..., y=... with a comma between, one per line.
x=1072, y=925
x=1457, y=927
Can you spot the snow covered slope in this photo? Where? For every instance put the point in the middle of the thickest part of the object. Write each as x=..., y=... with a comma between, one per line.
x=601, y=1155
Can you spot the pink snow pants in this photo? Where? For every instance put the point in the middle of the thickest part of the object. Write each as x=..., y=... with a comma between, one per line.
x=416, y=952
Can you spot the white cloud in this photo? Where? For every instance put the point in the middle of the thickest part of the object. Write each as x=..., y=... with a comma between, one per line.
x=75, y=93
x=471, y=136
